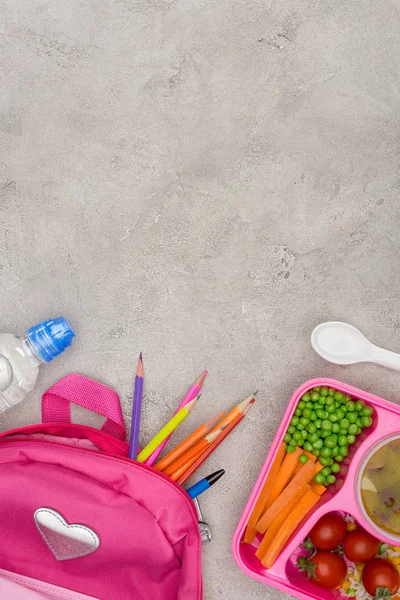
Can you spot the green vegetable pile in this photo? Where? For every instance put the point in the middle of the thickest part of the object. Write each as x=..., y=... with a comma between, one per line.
x=325, y=423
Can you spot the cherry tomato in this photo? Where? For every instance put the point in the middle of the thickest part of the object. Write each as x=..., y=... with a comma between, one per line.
x=380, y=573
x=330, y=570
x=328, y=533
x=360, y=546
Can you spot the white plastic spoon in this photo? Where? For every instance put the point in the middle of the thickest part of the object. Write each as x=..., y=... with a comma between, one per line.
x=343, y=344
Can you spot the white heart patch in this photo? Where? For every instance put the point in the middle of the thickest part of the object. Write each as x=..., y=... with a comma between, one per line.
x=66, y=541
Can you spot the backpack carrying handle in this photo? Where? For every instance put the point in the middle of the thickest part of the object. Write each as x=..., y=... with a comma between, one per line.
x=100, y=399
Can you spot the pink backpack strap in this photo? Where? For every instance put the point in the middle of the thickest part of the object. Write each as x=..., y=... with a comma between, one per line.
x=56, y=403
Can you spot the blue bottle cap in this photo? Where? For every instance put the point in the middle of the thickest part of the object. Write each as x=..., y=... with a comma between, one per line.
x=51, y=337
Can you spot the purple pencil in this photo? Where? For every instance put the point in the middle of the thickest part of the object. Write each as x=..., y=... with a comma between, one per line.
x=136, y=410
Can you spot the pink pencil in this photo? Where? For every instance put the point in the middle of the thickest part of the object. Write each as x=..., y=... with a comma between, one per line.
x=192, y=393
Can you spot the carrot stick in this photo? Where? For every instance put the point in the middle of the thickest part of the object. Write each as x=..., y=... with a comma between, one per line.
x=319, y=489
x=279, y=521
x=290, y=524
x=310, y=456
x=259, y=506
x=305, y=475
x=284, y=475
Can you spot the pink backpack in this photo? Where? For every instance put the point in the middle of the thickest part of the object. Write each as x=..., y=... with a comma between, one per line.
x=81, y=521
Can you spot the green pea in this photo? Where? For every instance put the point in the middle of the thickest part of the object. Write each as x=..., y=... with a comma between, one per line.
x=335, y=450
x=287, y=438
x=313, y=437
x=344, y=424
x=297, y=435
x=331, y=441
x=300, y=442
x=304, y=421
x=304, y=434
x=311, y=427
x=335, y=468
x=330, y=479
x=330, y=409
x=359, y=405
x=326, y=452
x=351, y=439
x=322, y=400
x=340, y=414
x=308, y=446
x=298, y=412
x=366, y=421
x=330, y=462
x=325, y=471
x=300, y=427
x=367, y=411
x=318, y=423
x=342, y=440
x=326, y=425
x=338, y=396
x=291, y=448
x=331, y=391
x=301, y=405
x=350, y=406
x=351, y=417
x=295, y=421
x=324, y=461
x=343, y=431
x=303, y=459
x=319, y=478
x=309, y=405
x=323, y=391
x=338, y=458
x=333, y=417
x=315, y=396
x=291, y=429
x=330, y=400
x=343, y=451
x=313, y=416
x=325, y=433
x=318, y=444
x=321, y=414
x=307, y=412
x=358, y=430
x=317, y=388
x=352, y=430
x=306, y=397
x=359, y=422
x=335, y=428
x=316, y=452
x=318, y=406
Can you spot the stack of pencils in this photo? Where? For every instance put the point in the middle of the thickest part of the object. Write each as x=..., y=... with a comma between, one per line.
x=184, y=460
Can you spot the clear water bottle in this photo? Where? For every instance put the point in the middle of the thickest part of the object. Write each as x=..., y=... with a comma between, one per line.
x=21, y=357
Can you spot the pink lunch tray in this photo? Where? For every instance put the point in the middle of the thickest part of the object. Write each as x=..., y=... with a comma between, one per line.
x=339, y=498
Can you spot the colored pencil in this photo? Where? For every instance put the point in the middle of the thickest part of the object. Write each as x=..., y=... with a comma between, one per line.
x=203, y=457
x=167, y=430
x=204, y=484
x=188, y=443
x=136, y=409
x=192, y=393
x=236, y=410
x=182, y=470
x=201, y=446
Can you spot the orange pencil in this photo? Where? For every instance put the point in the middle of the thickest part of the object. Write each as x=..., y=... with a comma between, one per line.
x=236, y=411
x=196, y=464
x=181, y=471
x=194, y=451
x=188, y=442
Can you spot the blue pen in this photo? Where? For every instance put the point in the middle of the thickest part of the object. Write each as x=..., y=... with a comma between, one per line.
x=203, y=485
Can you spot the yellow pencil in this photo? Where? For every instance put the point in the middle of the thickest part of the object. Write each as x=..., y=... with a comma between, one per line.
x=167, y=430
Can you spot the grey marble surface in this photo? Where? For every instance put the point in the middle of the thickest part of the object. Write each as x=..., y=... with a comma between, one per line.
x=205, y=182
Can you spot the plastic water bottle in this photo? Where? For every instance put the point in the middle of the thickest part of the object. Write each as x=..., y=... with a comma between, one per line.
x=21, y=357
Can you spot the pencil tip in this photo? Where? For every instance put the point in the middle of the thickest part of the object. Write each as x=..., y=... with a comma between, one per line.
x=255, y=393
x=141, y=357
